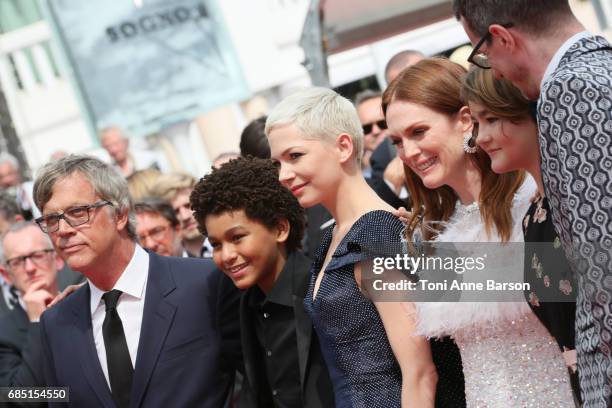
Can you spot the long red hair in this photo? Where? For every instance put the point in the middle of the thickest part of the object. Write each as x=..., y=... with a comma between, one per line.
x=436, y=84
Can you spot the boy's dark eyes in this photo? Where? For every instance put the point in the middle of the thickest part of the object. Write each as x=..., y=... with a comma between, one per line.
x=233, y=238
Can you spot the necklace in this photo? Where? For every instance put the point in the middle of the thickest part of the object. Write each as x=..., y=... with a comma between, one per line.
x=461, y=209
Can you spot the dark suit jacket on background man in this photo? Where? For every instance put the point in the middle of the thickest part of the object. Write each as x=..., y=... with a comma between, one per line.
x=380, y=159
x=19, y=350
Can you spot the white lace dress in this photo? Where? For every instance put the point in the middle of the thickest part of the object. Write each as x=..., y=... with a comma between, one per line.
x=509, y=358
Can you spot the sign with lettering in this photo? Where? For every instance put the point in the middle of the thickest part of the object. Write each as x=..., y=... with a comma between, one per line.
x=143, y=65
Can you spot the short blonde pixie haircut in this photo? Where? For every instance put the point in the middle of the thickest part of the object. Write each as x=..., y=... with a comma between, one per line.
x=320, y=114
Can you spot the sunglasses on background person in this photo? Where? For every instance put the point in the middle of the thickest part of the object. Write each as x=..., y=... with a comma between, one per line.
x=367, y=127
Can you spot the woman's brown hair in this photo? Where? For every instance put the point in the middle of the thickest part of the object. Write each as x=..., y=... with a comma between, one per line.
x=436, y=84
x=498, y=96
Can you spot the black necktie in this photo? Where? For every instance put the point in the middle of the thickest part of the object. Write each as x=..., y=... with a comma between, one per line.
x=120, y=370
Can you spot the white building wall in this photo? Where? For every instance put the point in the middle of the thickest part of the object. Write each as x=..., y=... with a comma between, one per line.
x=265, y=34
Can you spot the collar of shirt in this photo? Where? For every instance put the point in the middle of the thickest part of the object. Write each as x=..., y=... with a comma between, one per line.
x=554, y=62
x=207, y=249
x=282, y=291
x=131, y=282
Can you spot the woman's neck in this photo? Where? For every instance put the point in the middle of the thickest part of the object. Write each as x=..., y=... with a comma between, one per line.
x=536, y=172
x=352, y=198
x=468, y=184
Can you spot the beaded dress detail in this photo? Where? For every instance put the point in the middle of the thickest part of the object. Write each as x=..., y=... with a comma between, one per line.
x=509, y=358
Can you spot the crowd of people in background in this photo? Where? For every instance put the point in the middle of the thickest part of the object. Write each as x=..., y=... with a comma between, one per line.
x=248, y=286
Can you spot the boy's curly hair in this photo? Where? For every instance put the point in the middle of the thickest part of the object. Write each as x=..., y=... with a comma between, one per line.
x=249, y=184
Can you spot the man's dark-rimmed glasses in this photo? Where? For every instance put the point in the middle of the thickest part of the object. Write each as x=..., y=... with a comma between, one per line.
x=480, y=59
x=74, y=216
x=38, y=257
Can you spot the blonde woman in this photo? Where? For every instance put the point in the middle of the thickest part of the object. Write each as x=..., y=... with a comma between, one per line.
x=374, y=361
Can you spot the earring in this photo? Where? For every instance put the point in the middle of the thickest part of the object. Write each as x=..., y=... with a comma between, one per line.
x=469, y=143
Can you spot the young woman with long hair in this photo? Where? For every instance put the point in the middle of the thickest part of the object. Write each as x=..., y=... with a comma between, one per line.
x=508, y=133
x=508, y=357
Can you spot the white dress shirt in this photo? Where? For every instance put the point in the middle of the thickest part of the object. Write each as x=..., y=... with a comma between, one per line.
x=130, y=307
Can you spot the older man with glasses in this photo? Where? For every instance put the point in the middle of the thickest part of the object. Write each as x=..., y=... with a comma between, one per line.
x=146, y=330
x=31, y=266
x=176, y=188
x=158, y=228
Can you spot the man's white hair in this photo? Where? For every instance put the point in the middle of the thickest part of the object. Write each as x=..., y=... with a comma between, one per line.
x=319, y=113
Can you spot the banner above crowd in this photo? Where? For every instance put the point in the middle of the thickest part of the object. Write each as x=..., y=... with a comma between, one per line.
x=146, y=65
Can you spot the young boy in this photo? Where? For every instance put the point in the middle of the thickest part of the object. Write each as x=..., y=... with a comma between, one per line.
x=255, y=226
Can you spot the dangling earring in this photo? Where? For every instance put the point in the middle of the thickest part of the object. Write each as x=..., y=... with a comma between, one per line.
x=469, y=143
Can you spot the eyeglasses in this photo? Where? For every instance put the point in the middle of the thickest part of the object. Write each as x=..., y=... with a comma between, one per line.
x=156, y=234
x=367, y=128
x=38, y=257
x=480, y=59
x=74, y=216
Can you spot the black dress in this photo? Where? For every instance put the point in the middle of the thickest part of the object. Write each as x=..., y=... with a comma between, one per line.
x=362, y=366
x=552, y=295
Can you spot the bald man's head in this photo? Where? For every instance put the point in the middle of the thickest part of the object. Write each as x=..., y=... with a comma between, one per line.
x=401, y=61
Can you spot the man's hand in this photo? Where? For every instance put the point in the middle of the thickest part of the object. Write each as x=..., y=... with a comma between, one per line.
x=36, y=299
x=394, y=174
x=69, y=290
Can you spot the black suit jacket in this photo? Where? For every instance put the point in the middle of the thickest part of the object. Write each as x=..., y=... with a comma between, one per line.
x=19, y=350
x=380, y=159
x=189, y=340
x=315, y=217
x=317, y=389
x=67, y=277
x=4, y=309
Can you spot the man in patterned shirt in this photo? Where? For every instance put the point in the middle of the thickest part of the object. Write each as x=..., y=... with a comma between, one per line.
x=545, y=51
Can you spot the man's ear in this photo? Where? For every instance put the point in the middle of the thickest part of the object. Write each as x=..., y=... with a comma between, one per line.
x=345, y=147
x=501, y=34
x=5, y=275
x=122, y=219
x=282, y=230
